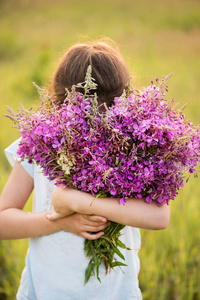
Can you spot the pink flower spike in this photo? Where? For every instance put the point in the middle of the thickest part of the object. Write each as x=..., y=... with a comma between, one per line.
x=122, y=201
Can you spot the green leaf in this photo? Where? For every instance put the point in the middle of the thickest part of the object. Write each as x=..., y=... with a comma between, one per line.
x=97, y=273
x=118, y=264
x=120, y=244
x=89, y=270
x=107, y=239
x=116, y=250
x=102, y=251
x=100, y=194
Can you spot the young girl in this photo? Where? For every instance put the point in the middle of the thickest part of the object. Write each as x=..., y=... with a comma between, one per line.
x=55, y=261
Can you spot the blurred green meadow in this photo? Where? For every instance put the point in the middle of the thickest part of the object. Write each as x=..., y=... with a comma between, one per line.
x=156, y=38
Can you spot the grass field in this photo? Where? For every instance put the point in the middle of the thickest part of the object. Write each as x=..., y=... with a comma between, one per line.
x=156, y=38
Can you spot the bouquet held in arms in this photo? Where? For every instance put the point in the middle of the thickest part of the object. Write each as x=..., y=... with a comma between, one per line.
x=140, y=147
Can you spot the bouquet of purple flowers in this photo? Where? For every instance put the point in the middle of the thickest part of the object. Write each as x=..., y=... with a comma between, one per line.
x=140, y=147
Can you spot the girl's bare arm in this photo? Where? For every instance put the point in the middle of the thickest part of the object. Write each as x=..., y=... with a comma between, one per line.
x=136, y=212
x=16, y=223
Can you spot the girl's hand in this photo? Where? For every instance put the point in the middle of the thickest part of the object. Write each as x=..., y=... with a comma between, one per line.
x=64, y=201
x=89, y=227
x=61, y=200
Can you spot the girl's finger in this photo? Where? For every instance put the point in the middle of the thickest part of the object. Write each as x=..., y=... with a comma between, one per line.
x=54, y=216
x=96, y=228
x=96, y=218
x=92, y=236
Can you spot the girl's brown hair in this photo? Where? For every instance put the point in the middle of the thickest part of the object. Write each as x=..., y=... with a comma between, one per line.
x=108, y=69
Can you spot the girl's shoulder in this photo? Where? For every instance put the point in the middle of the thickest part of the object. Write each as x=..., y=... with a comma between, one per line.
x=12, y=157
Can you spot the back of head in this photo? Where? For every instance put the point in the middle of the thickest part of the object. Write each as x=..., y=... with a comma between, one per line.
x=108, y=69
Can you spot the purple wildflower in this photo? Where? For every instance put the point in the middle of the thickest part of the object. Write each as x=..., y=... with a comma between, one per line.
x=141, y=147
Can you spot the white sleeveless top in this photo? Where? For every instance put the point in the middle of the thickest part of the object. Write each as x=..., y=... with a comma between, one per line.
x=55, y=263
